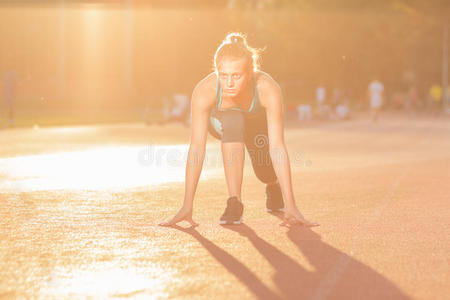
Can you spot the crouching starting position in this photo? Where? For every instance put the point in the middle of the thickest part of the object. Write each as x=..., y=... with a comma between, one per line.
x=241, y=106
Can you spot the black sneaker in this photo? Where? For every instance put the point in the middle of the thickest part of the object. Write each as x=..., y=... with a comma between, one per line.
x=274, y=200
x=233, y=212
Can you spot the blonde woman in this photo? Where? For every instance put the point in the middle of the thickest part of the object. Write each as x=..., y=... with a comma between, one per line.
x=241, y=106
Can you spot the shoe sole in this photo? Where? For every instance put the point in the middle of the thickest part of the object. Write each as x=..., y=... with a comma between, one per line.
x=222, y=222
x=275, y=210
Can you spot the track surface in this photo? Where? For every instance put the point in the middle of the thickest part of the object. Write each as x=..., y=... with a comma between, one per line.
x=79, y=208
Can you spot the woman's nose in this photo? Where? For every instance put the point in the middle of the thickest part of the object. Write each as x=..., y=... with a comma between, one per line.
x=230, y=82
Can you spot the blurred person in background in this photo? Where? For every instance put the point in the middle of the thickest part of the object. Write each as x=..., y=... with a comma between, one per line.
x=342, y=111
x=435, y=99
x=242, y=107
x=321, y=94
x=175, y=109
x=178, y=111
x=336, y=98
x=398, y=102
x=376, y=95
x=291, y=111
x=323, y=110
x=304, y=112
x=413, y=99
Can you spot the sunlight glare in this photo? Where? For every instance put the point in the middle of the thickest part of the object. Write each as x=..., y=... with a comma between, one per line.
x=113, y=168
x=108, y=282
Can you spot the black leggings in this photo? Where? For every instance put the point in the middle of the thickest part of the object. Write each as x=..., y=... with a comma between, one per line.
x=251, y=129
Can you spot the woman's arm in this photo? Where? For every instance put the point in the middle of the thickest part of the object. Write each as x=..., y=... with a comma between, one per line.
x=200, y=106
x=273, y=101
x=196, y=154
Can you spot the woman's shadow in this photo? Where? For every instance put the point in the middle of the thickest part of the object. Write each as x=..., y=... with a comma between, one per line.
x=336, y=274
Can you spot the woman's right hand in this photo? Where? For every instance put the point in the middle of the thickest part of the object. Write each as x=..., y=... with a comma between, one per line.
x=184, y=214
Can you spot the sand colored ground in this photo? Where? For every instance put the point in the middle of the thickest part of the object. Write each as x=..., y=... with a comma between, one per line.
x=80, y=206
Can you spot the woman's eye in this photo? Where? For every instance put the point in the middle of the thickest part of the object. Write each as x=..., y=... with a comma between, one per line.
x=236, y=76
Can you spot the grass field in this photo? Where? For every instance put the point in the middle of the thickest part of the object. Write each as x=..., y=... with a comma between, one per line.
x=80, y=206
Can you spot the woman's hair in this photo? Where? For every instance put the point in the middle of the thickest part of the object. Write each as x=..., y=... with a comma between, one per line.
x=235, y=45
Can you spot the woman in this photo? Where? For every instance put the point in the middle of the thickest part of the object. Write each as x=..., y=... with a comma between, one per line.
x=241, y=106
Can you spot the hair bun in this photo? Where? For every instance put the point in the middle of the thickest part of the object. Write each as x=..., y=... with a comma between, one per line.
x=236, y=38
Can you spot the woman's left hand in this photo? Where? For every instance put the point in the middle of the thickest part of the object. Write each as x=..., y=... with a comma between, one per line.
x=293, y=216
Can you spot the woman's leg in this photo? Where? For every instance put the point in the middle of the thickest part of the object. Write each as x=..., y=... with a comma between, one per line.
x=233, y=163
x=257, y=143
x=230, y=130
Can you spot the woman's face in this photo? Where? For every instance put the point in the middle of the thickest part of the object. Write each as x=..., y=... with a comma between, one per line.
x=234, y=75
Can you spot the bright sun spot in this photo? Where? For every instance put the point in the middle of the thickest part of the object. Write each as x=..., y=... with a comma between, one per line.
x=96, y=169
x=107, y=282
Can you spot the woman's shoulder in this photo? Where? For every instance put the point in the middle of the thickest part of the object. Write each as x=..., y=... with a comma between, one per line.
x=207, y=85
x=205, y=90
x=269, y=91
x=265, y=82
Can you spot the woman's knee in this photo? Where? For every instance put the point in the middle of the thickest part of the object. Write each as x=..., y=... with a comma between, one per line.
x=233, y=125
